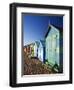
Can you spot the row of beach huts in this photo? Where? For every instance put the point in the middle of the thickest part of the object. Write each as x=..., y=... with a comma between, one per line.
x=50, y=49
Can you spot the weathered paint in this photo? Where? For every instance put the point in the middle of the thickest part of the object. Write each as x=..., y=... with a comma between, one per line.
x=29, y=50
x=41, y=50
x=36, y=45
x=52, y=46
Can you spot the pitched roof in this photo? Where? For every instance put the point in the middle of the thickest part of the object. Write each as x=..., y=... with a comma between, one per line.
x=49, y=28
x=29, y=44
x=42, y=43
x=37, y=43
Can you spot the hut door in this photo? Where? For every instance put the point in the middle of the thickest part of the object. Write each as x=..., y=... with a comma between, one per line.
x=55, y=49
x=54, y=40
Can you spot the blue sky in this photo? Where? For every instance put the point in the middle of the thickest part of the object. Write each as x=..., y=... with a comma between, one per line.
x=35, y=26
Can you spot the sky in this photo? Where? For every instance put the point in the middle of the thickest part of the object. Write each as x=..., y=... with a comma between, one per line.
x=35, y=26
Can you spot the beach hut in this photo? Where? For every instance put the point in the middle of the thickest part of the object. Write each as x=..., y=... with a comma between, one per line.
x=41, y=51
x=52, y=41
x=36, y=45
x=29, y=50
x=32, y=49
